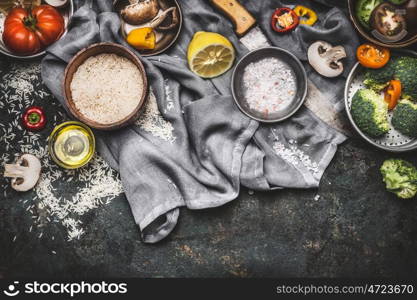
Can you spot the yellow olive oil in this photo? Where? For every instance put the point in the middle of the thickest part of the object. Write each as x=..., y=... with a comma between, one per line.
x=72, y=145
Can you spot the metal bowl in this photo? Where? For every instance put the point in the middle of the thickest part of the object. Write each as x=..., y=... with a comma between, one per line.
x=408, y=40
x=393, y=141
x=299, y=72
x=168, y=38
x=79, y=59
x=67, y=11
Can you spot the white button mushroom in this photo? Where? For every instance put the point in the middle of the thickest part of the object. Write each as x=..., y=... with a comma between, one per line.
x=325, y=58
x=25, y=172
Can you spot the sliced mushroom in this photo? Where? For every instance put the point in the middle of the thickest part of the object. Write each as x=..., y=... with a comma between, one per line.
x=140, y=11
x=325, y=58
x=388, y=22
x=25, y=172
x=156, y=23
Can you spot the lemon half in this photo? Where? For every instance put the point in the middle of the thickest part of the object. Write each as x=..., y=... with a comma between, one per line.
x=210, y=54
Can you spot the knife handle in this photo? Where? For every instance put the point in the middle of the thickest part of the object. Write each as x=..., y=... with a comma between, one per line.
x=241, y=18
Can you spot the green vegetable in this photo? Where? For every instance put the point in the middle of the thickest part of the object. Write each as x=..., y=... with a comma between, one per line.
x=404, y=118
x=364, y=9
x=398, y=2
x=406, y=72
x=370, y=112
x=400, y=177
x=378, y=79
x=403, y=69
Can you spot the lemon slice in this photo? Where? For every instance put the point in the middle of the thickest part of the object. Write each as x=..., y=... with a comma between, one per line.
x=210, y=54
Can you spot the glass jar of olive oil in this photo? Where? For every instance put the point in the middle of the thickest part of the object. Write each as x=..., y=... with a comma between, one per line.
x=71, y=145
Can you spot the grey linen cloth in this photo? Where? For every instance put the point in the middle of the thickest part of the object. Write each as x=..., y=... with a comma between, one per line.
x=215, y=148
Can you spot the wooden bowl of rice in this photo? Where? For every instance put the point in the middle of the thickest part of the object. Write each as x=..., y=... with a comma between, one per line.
x=105, y=86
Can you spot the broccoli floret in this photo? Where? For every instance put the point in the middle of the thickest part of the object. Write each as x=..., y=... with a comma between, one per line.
x=378, y=79
x=364, y=9
x=405, y=71
x=400, y=177
x=370, y=112
x=404, y=118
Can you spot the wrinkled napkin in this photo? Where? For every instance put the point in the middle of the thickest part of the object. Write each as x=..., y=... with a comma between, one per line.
x=199, y=148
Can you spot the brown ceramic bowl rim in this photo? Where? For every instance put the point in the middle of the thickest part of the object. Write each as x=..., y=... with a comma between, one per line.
x=121, y=123
x=364, y=34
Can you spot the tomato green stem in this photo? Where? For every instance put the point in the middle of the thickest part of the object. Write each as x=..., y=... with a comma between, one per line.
x=34, y=118
x=30, y=22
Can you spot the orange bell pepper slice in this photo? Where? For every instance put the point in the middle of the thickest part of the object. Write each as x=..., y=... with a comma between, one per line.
x=372, y=56
x=142, y=38
x=393, y=93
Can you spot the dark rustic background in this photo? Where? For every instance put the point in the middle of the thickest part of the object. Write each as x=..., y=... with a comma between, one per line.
x=354, y=229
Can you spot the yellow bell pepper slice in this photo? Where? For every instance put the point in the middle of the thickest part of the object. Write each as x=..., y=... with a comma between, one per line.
x=307, y=15
x=142, y=38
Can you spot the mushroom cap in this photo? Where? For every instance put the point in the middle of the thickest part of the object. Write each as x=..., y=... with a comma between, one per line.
x=140, y=12
x=325, y=58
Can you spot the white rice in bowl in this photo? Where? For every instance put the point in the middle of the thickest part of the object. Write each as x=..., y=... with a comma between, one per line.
x=107, y=88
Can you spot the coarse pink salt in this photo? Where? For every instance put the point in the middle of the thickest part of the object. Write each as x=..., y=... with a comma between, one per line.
x=270, y=85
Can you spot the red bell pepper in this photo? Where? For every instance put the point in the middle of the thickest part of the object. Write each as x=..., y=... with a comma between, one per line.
x=284, y=20
x=34, y=118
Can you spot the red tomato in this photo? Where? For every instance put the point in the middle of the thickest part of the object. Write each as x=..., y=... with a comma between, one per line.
x=27, y=32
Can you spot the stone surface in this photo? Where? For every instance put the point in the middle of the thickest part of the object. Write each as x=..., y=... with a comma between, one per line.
x=353, y=229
